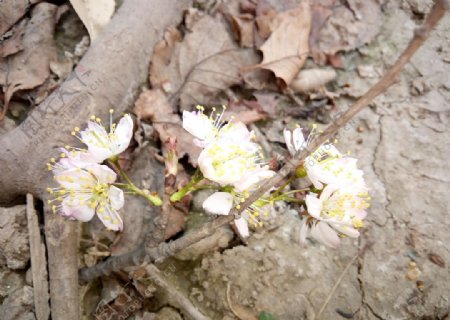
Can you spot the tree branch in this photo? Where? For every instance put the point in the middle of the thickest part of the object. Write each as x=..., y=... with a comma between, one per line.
x=164, y=250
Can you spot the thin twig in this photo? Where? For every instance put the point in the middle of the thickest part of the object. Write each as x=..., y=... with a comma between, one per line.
x=164, y=250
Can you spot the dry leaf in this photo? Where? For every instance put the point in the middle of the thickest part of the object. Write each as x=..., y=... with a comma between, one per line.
x=350, y=28
x=437, y=260
x=11, y=12
x=14, y=43
x=30, y=67
x=243, y=26
x=311, y=79
x=268, y=102
x=161, y=59
x=245, y=111
x=153, y=105
x=287, y=48
x=205, y=63
x=95, y=14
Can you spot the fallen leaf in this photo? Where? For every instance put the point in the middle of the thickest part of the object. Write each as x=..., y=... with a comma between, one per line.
x=311, y=79
x=30, y=67
x=243, y=26
x=350, y=27
x=153, y=105
x=264, y=20
x=95, y=14
x=268, y=101
x=241, y=111
x=203, y=64
x=14, y=43
x=287, y=48
x=161, y=59
x=436, y=259
x=11, y=12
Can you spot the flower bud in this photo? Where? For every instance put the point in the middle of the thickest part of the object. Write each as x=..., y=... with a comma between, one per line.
x=171, y=159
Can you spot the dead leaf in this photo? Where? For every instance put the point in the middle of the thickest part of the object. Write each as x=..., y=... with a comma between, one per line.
x=265, y=14
x=436, y=259
x=11, y=12
x=286, y=50
x=95, y=14
x=203, y=64
x=153, y=105
x=14, y=43
x=311, y=79
x=268, y=101
x=243, y=26
x=241, y=111
x=175, y=222
x=30, y=67
x=350, y=27
x=161, y=59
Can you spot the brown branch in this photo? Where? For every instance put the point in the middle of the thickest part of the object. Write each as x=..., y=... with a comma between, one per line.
x=38, y=263
x=164, y=250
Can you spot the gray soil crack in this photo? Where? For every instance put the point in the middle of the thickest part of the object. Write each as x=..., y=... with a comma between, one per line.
x=378, y=173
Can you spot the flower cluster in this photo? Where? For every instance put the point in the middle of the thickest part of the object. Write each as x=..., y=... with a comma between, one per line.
x=85, y=185
x=337, y=205
x=230, y=158
x=337, y=198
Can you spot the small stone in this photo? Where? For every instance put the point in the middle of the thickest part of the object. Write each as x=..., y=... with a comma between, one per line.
x=413, y=274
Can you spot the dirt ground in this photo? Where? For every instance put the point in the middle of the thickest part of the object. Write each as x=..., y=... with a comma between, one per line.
x=397, y=269
x=403, y=145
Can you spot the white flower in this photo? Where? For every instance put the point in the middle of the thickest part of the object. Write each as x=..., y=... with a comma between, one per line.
x=333, y=169
x=75, y=158
x=200, y=126
x=294, y=140
x=221, y=203
x=103, y=145
x=326, y=165
x=88, y=191
x=226, y=161
x=336, y=212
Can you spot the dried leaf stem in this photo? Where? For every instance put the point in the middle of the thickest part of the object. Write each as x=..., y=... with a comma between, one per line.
x=164, y=250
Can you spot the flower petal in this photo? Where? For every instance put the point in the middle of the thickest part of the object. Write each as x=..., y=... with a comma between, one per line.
x=74, y=178
x=116, y=197
x=314, y=205
x=235, y=132
x=251, y=179
x=298, y=139
x=242, y=227
x=198, y=124
x=347, y=230
x=102, y=173
x=218, y=203
x=110, y=218
x=122, y=134
x=288, y=139
x=304, y=232
x=323, y=233
x=77, y=211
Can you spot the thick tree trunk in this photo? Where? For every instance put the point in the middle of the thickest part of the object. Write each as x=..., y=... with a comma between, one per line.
x=108, y=76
